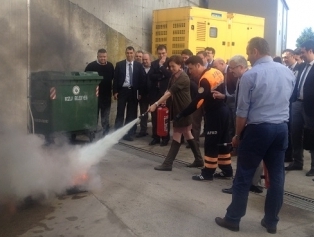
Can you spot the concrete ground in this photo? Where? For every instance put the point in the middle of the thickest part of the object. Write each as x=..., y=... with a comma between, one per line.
x=136, y=200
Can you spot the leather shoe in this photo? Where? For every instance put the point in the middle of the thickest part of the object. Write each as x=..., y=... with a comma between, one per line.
x=293, y=166
x=256, y=189
x=310, y=173
x=271, y=230
x=127, y=138
x=227, y=190
x=154, y=142
x=164, y=143
x=142, y=134
x=225, y=224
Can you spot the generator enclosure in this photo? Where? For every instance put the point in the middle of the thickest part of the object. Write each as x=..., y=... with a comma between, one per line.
x=197, y=28
x=64, y=102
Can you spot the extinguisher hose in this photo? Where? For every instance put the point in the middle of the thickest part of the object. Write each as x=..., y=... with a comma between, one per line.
x=142, y=115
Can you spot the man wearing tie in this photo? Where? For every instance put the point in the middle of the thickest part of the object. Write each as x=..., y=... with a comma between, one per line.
x=302, y=108
x=127, y=87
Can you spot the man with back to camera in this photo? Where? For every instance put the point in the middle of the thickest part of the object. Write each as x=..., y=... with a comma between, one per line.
x=158, y=77
x=261, y=134
x=106, y=70
x=302, y=112
x=127, y=87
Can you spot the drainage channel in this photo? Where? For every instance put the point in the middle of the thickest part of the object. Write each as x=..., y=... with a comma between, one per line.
x=291, y=199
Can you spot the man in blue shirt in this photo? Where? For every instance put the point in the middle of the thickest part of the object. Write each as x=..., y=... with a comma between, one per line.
x=261, y=133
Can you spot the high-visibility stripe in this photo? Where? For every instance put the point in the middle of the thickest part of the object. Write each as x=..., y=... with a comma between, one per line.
x=211, y=166
x=214, y=77
x=224, y=161
x=210, y=159
x=200, y=103
x=53, y=93
x=224, y=155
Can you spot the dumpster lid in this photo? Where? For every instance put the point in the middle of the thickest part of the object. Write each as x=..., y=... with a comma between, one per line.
x=65, y=75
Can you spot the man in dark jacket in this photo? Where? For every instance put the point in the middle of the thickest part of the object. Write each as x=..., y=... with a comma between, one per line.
x=105, y=69
x=127, y=86
x=158, y=79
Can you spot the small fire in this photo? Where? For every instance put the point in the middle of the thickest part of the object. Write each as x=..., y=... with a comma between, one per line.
x=81, y=179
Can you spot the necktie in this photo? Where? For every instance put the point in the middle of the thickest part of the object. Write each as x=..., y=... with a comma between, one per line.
x=131, y=74
x=302, y=78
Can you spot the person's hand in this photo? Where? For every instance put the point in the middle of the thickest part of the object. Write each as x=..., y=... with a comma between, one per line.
x=177, y=117
x=162, y=60
x=218, y=95
x=152, y=108
x=235, y=141
x=115, y=96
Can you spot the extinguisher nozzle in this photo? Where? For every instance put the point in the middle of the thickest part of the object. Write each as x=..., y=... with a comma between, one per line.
x=142, y=115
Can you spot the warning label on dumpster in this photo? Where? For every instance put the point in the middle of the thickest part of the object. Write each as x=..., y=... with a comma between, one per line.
x=76, y=98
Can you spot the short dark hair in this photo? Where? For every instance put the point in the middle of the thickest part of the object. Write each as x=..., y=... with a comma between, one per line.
x=277, y=59
x=140, y=51
x=297, y=51
x=177, y=59
x=187, y=52
x=210, y=49
x=161, y=47
x=260, y=44
x=288, y=51
x=194, y=60
x=309, y=44
x=202, y=52
x=102, y=51
x=129, y=48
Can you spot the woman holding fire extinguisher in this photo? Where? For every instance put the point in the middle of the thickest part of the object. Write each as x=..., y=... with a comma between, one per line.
x=179, y=91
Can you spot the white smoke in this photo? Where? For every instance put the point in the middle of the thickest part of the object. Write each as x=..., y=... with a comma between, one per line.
x=29, y=168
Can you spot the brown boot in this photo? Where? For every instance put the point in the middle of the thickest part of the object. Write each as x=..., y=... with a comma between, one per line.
x=172, y=153
x=198, y=162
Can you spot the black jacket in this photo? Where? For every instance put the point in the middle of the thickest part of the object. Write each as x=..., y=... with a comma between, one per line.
x=120, y=74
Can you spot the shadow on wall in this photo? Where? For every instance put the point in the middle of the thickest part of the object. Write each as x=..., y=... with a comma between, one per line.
x=65, y=37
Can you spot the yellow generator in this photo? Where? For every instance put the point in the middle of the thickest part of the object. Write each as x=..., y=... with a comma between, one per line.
x=197, y=28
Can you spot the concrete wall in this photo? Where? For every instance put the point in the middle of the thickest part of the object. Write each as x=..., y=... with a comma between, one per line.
x=13, y=66
x=132, y=18
x=271, y=10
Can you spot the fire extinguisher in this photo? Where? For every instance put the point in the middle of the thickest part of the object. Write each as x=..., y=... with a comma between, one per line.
x=162, y=120
x=266, y=176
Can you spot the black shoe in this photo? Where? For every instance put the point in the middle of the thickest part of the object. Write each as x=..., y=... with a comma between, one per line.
x=222, y=175
x=187, y=146
x=288, y=159
x=225, y=224
x=200, y=177
x=227, y=190
x=154, y=142
x=128, y=138
x=310, y=173
x=142, y=134
x=164, y=143
x=271, y=230
x=293, y=166
x=256, y=189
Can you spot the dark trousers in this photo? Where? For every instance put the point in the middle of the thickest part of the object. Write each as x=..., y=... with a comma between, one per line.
x=196, y=123
x=154, y=128
x=127, y=99
x=299, y=120
x=104, y=106
x=143, y=102
x=267, y=142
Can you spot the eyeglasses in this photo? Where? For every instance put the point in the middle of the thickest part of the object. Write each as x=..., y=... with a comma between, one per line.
x=232, y=68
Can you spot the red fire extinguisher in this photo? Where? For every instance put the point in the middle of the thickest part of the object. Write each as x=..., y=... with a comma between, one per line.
x=266, y=176
x=162, y=120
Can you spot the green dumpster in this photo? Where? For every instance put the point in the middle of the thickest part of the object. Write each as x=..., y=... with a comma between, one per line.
x=65, y=102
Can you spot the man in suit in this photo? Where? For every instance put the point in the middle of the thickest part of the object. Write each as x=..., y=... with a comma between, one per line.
x=143, y=101
x=210, y=55
x=127, y=88
x=302, y=108
x=289, y=60
x=106, y=70
x=158, y=79
x=230, y=86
